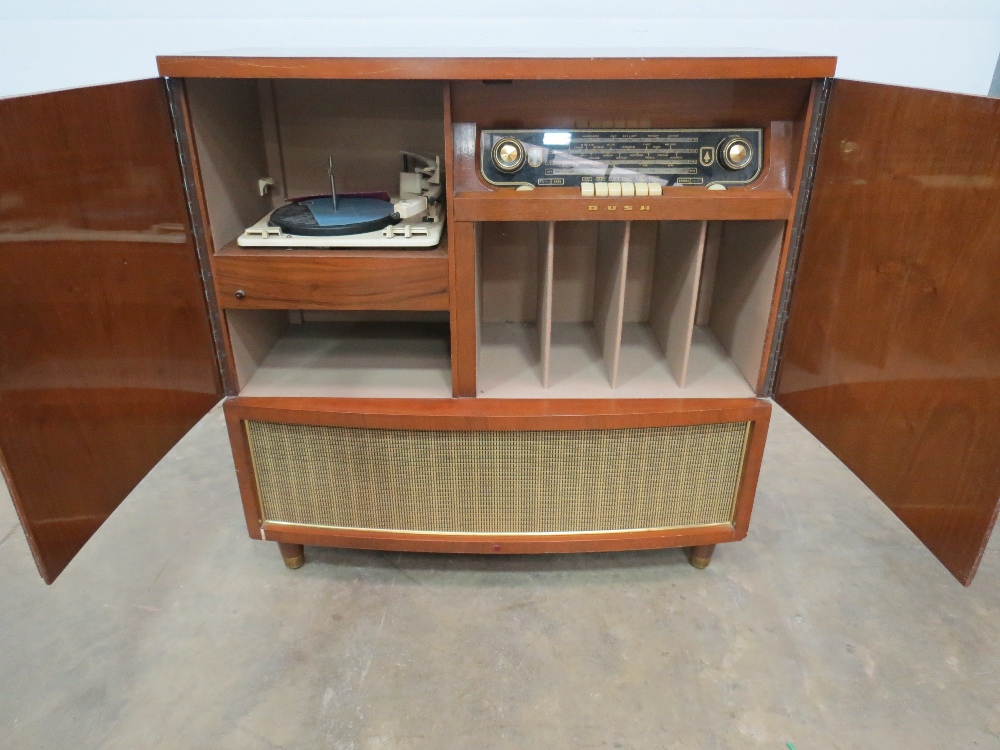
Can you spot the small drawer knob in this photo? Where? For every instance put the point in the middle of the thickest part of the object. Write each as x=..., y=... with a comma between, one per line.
x=240, y=294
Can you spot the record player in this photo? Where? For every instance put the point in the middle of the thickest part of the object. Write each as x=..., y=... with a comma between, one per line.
x=413, y=219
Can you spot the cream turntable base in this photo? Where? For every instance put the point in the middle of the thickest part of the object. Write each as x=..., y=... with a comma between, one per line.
x=413, y=219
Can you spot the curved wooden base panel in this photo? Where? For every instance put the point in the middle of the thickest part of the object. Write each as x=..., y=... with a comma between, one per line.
x=500, y=544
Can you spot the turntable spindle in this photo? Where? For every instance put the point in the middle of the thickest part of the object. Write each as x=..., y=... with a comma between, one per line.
x=333, y=184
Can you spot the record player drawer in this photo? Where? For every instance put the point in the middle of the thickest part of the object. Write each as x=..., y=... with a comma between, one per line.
x=331, y=282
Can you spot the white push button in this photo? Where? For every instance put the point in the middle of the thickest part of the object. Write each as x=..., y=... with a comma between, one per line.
x=642, y=188
x=628, y=188
x=601, y=189
x=614, y=188
x=587, y=189
x=655, y=188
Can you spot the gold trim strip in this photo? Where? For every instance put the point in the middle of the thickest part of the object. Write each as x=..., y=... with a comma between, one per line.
x=492, y=534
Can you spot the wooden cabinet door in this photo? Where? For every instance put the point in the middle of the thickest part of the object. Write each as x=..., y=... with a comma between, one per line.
x=106, y=352
x=891, y=355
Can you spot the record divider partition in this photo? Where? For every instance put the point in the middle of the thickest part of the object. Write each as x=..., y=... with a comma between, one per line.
x=681, y=295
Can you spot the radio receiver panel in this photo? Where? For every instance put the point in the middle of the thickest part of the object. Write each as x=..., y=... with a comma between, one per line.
x=621, y=162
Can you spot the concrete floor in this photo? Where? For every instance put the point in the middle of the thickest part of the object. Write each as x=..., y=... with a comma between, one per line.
x=829, y=627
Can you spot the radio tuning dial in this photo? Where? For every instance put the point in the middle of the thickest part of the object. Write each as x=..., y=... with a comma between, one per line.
x=735, y=153
x=508, y=154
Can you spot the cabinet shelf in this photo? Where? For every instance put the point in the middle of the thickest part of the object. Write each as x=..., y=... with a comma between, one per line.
x=388, y=255
x=511, y=365
x=565, y=204
x=358, y=360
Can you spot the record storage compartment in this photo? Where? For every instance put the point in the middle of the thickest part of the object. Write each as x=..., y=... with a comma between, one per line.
x=638, y=309
x=469, y=397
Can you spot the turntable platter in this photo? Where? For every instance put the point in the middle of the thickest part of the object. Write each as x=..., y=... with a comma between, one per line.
x=316, y=217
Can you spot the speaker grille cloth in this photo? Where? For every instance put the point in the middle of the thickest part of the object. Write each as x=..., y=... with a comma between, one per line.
x=498, y=482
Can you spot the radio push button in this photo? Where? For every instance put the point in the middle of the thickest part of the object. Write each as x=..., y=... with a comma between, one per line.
x=620, y=189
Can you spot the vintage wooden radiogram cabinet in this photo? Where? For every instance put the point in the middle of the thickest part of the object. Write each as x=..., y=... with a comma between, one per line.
x=553, y=322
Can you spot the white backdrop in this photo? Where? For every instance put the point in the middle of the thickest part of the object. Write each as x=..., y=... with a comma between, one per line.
x=950, y=45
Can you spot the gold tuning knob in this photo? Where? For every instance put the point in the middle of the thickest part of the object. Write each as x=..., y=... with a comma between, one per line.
x=508, y=154
x=735, y=153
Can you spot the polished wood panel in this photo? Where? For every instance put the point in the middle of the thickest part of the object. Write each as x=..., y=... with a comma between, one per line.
x=247, y=278
x=498, y=414
x=751, y=469
x=106, y=355
x=566, y=204
x=798, y=145
x=239, y=443
x=629, y=104
x=500, y=544
x=465, y=310
x=892, y=351
x=462, y=276
x=191, y=171
x=654, y=66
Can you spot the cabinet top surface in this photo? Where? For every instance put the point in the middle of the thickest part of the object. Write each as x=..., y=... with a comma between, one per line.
x=457, y=64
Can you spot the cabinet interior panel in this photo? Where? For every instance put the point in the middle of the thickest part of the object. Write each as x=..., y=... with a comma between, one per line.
x=579, y=363
x=639, y=271
x=356, y=359
x=744, y=289
x=574, y=271
x=545, y=301
x=509, y=267
x=609, y=291
x=644, y=371
x=676, y=274
x=709, y=265
x=510, y=361
x=629, y=104
x=339, y=353
x=509, y=365
x=226, y=122
x=252, y=334
x=363, y=125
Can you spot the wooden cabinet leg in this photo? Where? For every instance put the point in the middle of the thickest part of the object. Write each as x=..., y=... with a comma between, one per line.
x=701, y=555
x=294, y=555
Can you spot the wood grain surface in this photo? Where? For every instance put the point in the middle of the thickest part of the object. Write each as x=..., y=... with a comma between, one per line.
x=332, y=280
x=892, y=351
x=495, y=68
x=498, y=414
x=106, y=355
